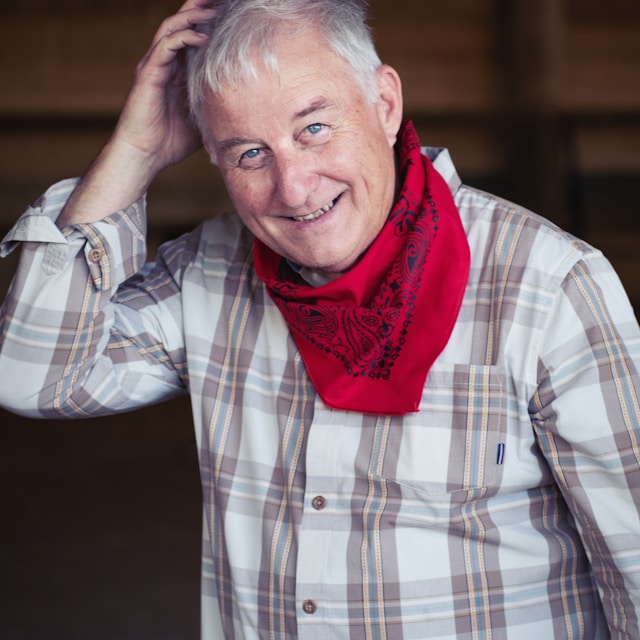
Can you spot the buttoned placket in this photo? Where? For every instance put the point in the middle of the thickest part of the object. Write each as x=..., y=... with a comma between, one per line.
x=315, y=542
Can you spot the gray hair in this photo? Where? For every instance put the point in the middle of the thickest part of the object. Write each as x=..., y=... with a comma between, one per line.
x=242, y=27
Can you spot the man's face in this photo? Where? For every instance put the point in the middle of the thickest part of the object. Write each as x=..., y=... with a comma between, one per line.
x=308, y=162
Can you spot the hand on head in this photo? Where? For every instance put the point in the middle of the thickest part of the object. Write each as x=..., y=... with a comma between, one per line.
x=155, y=119
x=154, y=129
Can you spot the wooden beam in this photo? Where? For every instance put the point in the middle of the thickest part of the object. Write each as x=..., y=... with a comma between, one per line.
x=538, y=144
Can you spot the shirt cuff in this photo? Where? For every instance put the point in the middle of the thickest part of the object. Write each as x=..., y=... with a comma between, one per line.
x=114, y=247
x=37, y=224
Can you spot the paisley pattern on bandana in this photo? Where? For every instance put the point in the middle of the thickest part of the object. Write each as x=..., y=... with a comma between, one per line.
x=369, y=337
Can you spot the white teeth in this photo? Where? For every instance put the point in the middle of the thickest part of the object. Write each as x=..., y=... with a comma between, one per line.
x=317, y=214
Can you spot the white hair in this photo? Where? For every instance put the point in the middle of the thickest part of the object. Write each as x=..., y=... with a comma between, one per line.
x=243, y=27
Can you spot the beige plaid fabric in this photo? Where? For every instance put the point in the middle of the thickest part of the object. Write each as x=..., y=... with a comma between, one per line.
x=507, y=507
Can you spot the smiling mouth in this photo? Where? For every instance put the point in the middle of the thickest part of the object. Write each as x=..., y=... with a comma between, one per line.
x=310, y=217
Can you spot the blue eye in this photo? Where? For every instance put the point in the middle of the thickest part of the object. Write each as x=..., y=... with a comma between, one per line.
x=314, y=128
x=251, y=154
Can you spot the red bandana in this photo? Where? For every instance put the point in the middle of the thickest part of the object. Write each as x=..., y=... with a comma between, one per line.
x=369, y=337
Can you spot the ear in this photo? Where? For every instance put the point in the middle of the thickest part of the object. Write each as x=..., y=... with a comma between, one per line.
x=389, y=101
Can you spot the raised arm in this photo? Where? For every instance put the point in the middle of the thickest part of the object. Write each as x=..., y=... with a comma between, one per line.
x=153, y=130
x=68, y=347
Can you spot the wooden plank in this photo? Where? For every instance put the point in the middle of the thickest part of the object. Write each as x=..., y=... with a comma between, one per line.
x=448, y=65
x=534, y=31
x=607, y=146
x=87, y=73
x=601, y=69
x=444, y=67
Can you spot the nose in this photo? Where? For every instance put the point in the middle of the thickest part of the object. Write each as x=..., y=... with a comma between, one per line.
x=296, y=178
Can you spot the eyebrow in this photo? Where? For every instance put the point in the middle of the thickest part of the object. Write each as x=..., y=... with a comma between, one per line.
x=230, y=143
x=317, y=105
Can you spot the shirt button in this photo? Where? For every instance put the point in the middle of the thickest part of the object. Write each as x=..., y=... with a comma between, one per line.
x=95, y=255
x=309, y=606
x=319, y=503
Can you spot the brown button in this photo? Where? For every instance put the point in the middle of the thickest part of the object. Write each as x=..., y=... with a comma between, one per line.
x=319, y=503
x=309, y=606
x=95, y=255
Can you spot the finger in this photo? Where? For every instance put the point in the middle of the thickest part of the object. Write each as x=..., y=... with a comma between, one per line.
x=164, y=52
x=195, y=4
x=185, y=19
x=180, y=40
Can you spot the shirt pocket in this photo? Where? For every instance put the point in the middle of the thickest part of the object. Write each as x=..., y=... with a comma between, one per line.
x=452, y=449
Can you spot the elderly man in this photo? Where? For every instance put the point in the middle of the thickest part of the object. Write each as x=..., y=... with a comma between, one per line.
x=416, y=405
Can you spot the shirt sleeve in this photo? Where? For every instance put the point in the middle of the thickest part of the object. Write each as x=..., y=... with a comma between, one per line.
x=68, y=347
x=586, y=415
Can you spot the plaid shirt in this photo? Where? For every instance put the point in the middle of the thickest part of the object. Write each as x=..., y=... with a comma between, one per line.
x=507, y=507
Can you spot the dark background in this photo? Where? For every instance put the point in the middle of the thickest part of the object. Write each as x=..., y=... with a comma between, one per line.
x=538, y=100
